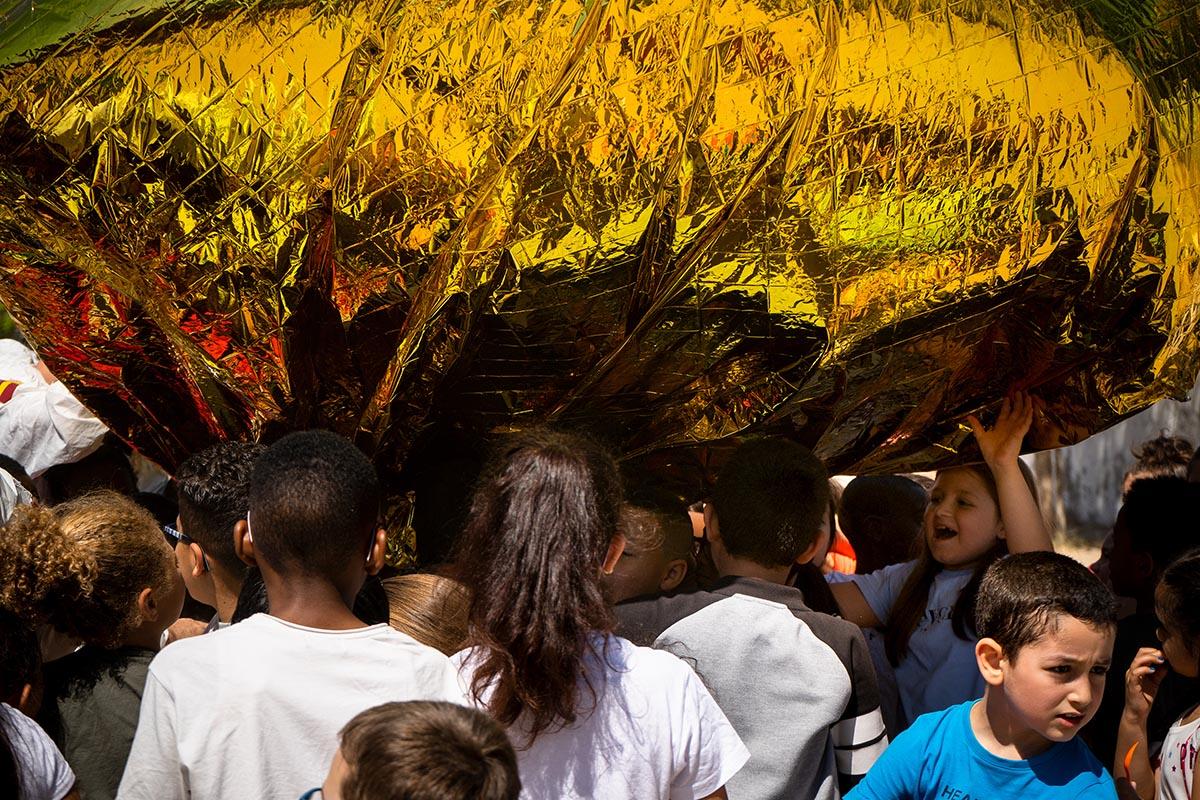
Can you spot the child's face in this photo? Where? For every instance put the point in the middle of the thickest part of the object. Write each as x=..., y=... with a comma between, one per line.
x=331, y=789
x=1054, y=685
x=640, y=571
x=176, y=589
x=962, y=522
x=200, y=589
x=1174, y=645
x=824, y=539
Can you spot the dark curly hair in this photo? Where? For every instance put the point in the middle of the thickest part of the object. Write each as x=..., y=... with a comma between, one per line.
x=1162, y=456
x=214, y=488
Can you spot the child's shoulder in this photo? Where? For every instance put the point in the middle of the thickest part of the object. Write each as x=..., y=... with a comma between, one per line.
x=194, y=653
x=951, y=722
x=944, y=731
x=648, y=663
x=81, y=671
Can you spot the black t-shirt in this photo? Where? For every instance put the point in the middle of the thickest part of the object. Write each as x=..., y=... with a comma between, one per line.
x=90, y=709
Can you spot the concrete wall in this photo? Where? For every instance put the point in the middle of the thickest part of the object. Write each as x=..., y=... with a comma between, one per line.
x=1080, y=486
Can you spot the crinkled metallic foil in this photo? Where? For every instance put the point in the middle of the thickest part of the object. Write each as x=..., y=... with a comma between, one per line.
x=669, y=222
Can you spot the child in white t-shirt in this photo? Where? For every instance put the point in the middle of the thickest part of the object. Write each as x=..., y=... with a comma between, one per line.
x=253, y=710
x=975, y=515
x=591, y=715
x=1177, y=602
x=31, y=766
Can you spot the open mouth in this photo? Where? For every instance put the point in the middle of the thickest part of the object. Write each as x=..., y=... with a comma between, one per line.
x=940, y=534
x=1072, y=720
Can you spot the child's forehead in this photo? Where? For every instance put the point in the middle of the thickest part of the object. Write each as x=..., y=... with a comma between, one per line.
x=960, y=480
x=1061, y=630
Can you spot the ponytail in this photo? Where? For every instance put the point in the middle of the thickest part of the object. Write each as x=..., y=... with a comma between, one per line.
x=80, y=565
x=542, y=518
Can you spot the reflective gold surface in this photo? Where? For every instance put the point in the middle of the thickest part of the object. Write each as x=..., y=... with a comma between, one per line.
x=670, y=222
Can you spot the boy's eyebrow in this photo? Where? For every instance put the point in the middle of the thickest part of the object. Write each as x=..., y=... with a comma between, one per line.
x=1076, y=659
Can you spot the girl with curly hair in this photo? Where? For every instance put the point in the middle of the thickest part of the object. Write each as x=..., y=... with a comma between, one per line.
x=99, y=571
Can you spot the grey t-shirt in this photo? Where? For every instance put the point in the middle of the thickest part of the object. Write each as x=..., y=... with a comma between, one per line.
x=796, y=684
x=93, y=697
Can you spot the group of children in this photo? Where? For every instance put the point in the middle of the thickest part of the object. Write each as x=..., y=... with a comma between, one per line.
x=576, y=645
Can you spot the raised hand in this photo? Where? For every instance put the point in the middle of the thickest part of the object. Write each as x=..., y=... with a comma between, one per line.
x=1001, y=444
x=1142, y=680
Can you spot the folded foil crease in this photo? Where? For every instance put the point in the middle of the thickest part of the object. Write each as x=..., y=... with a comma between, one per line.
x=668, y=222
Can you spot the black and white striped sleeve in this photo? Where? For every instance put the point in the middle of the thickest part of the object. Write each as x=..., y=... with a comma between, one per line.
x=859, y=737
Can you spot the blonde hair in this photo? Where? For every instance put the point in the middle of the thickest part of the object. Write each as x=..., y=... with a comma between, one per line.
x=430, y=608
x=81, y=565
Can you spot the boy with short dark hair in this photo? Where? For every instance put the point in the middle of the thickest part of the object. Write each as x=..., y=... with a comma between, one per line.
x=882, y=515
x=1046, y=627
x=420, y=750
x=796, y=684
x=213, y=490
x=254, y=710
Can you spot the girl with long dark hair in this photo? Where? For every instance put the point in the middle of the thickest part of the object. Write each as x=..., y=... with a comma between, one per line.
x=591, y=715
x=926, y=607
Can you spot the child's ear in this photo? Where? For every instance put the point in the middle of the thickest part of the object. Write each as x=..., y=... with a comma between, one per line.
x=243, y=543
x=197, y=560
x=989, y=656
x=377, y=553
x=147, y=605
x=712, y=526
x=28, y=701
x=615, y=548
x=676, y=572
x=809, y=552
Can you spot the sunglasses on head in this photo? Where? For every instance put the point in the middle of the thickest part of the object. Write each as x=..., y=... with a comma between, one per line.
x=178, y=537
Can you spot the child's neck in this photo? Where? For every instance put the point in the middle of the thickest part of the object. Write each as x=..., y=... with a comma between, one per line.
x=997, y=730
x=728, y=565
x=309, y=600
x=225, y=592
x=147, y=636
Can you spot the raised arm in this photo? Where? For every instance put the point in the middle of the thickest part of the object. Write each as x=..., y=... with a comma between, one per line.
x=853, y=605
x=1141, y=685
x=1024, y=528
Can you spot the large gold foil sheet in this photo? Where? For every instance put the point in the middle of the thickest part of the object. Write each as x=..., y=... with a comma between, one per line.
x=671, y=222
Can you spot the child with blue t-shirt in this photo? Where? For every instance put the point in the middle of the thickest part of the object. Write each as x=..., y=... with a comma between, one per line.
x=1047, y=626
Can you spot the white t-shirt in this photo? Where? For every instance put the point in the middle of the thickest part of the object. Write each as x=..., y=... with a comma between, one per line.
x=655, y=733
x=45, y=774
x=12, y=494
x=1177, y=767
x=254, y=710
x=939, y=670
x=40, y=424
